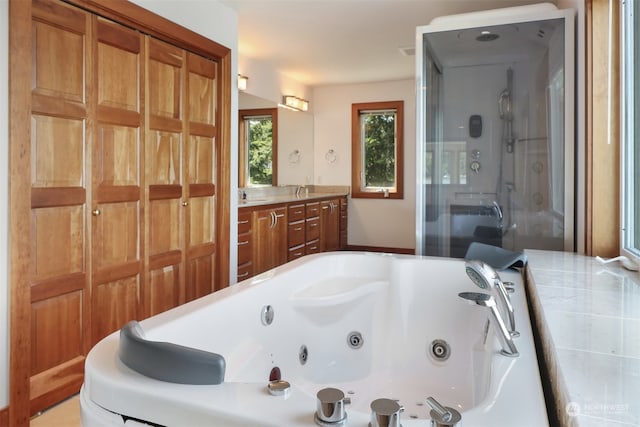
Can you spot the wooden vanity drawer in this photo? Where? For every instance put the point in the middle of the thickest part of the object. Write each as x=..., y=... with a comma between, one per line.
x=296, y=212
x=244, y=222
x=313, y=209
x=296, y=252
x=245, y=271
x=313, y=247
x=296, y=233
x=313, y=229
x=244, y=248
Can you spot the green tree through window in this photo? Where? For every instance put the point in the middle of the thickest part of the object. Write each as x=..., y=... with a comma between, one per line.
x=258, y=147
x=377, y=149
x=260, y=136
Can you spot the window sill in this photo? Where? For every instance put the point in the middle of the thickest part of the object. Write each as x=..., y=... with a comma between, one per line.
x=376, y=195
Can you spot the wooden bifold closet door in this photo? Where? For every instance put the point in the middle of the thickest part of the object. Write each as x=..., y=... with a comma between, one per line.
x=125, y=155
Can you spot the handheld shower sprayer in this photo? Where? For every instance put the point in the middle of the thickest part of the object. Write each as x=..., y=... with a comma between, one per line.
x=485, y=277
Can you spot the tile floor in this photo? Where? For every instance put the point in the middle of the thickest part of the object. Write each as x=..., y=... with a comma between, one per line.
x=65, y=414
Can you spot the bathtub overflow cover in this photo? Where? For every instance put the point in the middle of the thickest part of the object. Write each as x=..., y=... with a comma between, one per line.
x=267, y=315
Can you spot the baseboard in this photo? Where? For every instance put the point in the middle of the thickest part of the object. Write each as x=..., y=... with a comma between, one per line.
x=4, y=417
x=403, y=251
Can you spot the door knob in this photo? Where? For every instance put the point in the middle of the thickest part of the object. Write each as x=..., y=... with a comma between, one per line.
x=185, y=203
x=96, y=212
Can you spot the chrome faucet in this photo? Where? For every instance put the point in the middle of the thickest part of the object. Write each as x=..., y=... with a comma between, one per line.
x=483, y=275
x=299, y=189
x=486, y=300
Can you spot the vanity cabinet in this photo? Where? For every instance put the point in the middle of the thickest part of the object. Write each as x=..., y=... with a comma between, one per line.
x=296, y=231
x=312, y=229
x=270, y=230
x=330, y=225
x=269, y=236
x=245, y=246
x=343, y=222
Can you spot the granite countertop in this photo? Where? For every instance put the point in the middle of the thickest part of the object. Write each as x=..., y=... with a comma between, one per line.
x=263, y=200
x=588, y=315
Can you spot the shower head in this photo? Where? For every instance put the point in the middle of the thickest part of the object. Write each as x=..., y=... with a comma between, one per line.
x=484, y=300
x=482, y=274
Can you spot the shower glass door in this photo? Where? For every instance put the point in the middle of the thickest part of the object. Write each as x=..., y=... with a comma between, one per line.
x=495, y=125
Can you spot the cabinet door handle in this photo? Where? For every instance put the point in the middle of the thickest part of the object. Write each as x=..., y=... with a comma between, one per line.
x=185, y=203
x=244, y=222
x=245, y=274
x=96, y=212
x=273, y=219
x=313, y=225
x=298, y=229
x=245, y=242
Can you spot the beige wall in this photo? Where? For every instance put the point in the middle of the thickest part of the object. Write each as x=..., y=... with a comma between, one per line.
x=372, y=222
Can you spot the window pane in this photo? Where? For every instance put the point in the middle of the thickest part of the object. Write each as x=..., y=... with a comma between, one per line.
x=634, y=174
x=378, y=134
x=260, y=141
x=631, y=235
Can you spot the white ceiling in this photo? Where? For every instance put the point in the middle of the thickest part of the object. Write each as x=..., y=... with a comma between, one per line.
x=322, y=42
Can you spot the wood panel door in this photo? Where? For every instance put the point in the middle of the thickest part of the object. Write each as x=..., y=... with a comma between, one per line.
x=116, y=207
x=201, y=154
x=164, y=159
x=58, y=275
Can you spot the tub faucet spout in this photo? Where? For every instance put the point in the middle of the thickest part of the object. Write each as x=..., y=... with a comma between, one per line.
x=486, y=300
x=483, y=275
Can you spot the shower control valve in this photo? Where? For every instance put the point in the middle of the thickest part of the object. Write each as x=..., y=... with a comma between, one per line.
x=475, y=166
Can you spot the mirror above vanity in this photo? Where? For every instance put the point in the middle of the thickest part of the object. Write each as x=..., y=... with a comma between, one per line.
x=294, y=146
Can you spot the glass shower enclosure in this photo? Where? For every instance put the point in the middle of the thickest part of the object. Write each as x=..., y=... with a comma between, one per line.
x=495, y=128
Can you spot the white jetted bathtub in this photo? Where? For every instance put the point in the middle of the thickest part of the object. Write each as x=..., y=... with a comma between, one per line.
x=371, y=325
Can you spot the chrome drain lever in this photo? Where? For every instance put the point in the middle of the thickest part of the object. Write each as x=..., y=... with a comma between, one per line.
x=443, y=416
x=330, y=410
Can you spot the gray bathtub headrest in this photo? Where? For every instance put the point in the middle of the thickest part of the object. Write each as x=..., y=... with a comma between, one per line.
x=496, y=257
x=168, y=362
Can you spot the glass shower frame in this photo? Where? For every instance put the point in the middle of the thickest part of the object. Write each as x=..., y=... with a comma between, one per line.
x=429, y=115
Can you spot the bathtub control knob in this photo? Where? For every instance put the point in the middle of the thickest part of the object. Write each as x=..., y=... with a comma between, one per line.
x=279, y=388
x=385, y=413
x=330, y=407
x=443, y=416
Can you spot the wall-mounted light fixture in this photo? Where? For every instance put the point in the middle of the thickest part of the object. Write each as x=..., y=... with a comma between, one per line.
x=295, y=103
x=242, y=82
